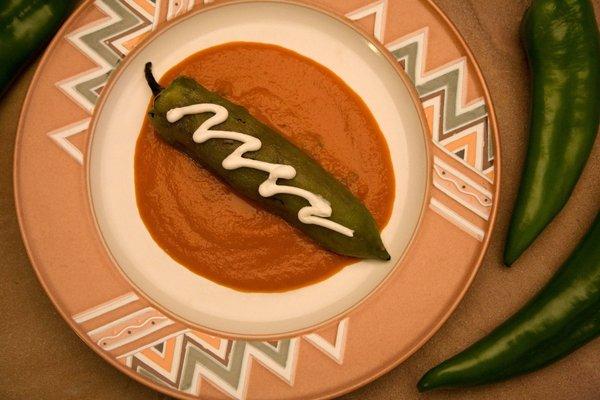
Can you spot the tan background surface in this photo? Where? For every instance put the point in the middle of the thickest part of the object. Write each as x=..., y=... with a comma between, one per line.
x=42, y=359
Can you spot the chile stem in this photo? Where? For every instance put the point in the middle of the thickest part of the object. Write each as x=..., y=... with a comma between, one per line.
x=154, y=86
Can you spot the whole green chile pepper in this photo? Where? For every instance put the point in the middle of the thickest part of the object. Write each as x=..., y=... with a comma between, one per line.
x=562, y=45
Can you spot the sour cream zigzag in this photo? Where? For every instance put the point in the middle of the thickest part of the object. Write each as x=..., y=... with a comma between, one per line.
x=319, y=209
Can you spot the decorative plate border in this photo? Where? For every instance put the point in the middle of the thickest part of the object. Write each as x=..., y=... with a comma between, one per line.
x=169, y=356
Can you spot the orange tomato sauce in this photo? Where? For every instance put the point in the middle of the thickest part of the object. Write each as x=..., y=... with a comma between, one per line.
x=202, y=224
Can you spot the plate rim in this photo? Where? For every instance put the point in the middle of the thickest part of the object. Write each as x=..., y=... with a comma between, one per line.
x=436, y=10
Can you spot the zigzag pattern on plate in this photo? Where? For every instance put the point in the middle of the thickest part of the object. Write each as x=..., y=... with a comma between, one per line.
x=186, y=359
x=61, y=138
x=181, y=361
x=182, y=358
x=106, y=42
x=460, y=129
x=378, y=9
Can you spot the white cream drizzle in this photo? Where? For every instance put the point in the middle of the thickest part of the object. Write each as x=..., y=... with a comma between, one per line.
x=319, y=208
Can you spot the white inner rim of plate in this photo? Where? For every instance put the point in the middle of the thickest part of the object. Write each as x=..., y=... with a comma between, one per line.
x=111, y=175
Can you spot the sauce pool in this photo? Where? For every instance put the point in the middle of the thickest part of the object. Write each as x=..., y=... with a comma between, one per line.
x=203, y=225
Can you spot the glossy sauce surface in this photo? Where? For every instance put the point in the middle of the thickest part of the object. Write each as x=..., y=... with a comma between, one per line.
x=203, y=225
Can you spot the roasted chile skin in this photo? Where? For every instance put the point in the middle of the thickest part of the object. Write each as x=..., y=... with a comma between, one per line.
x=347, y=209
x=563, y=49
x=562, y=317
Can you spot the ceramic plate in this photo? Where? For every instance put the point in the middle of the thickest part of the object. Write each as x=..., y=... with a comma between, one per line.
x=185, y=335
